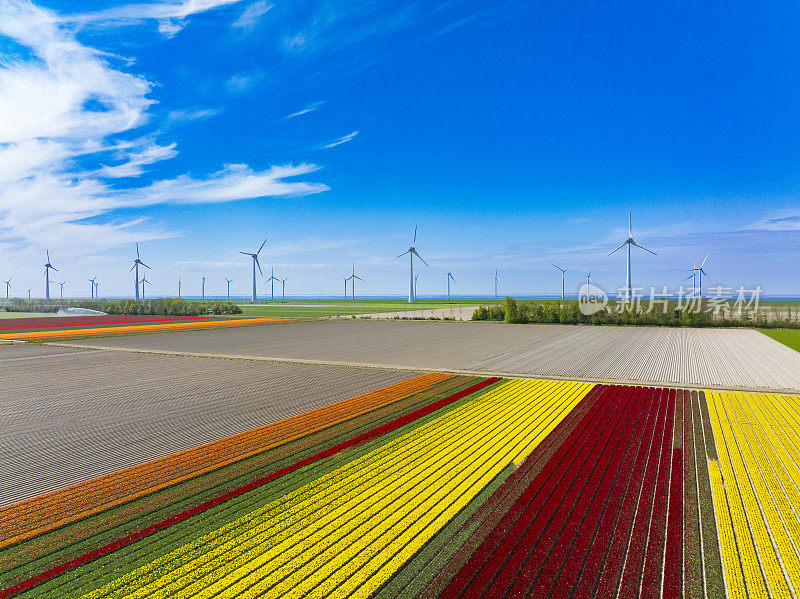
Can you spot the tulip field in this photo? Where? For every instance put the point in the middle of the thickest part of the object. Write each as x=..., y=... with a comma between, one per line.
x=443, y=486
x=40, y=329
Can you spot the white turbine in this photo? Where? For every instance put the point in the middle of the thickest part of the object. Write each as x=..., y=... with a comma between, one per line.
x=203, y=288
x=229, y=281
x=136, y=264
x=255, y=263
x=271, y=281
x=449, y=278
x=283, y=287
x=629, y=242
x=496, y=279
x=352, y=278
x=47, y=268
x=412, y=251
x=92, y=281
x=8, y=285
x=699, y=272
x=563, y=272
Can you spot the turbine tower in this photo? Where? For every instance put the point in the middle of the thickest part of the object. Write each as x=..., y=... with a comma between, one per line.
x=203, y=288
x=47, y=268
x=271, y=281
x=416, y=279
x=62, y=287
x=563, y=272
x=143, y=281
x=496, y=279
x=135, y=266
x=283, y=285
x=229, y=281
x=700, y=272
x=412, y=251
x=629, y=242
x=449, y=278
x=255, y=263
x=8, y=285
x=92, y=281
x=353, y=278
x=179, y=288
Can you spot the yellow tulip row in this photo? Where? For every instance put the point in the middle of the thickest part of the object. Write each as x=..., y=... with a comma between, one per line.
x=759, y=483
x=348, y=531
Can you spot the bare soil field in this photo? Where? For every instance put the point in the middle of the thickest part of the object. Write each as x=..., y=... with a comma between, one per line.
x=70, y=415
x=729, y=358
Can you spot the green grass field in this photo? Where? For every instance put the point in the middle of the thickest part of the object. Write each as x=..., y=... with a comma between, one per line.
x=323, y=308
x=4, y=314
x=789, y=337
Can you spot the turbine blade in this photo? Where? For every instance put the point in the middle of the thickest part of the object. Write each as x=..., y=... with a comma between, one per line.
x=262, y=247
x=247, y=254
x=630, y=228
x=132, y=267
x=704, y=262
x=143, y=264
x=689, y=277
x=54, y=268
x=412, y=243
x=359, y=278
x=644, y=248
x=258, y=264
x=619, y=248
x=421, y=258
x=137, y=249
x=403, y=254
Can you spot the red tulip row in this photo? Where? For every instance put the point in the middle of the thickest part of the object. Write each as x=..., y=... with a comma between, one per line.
x=603, y=517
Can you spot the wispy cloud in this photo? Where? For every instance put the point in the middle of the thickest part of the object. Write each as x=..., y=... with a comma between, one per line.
x=179, y=117
x=169, y=15
x=252, y=14
x=342, y=140
x=785, y=220
x=241, y=83
x=306, y=110
x=66, y=113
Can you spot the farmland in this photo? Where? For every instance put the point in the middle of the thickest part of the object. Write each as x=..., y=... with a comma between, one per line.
x=442, y=486
x=324, y=459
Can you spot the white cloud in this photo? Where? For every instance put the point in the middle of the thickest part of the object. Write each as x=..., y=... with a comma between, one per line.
x=136, y=159
x=342, y=140
x=306, y=110
x=784, y=220
x=252, y=14
x=242, y=82
x=169, y=15
x=64, y=112
x=179, y=117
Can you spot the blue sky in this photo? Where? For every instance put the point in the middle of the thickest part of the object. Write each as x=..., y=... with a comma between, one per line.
x=513, y=134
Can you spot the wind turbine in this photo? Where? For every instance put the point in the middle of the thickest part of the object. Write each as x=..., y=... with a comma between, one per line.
x=271, y=281
x=29, y=295
x=496, y=279
x=92, y=280
x=283, y=284
x=353, y=278
x=97, y=290
x=629, y=242
x=62, y=287
x=416, y=279
x=563, y=272
x=143, y=281
x=255, y=263
x=412, y=251
x=449, y=278
x=229, y=281
x=47, y=268
x=8, y=285
x=700, y=272
x=179, y=288
x=203, y=288
x=588, y=280
x=345, y=285
x=135, y=266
